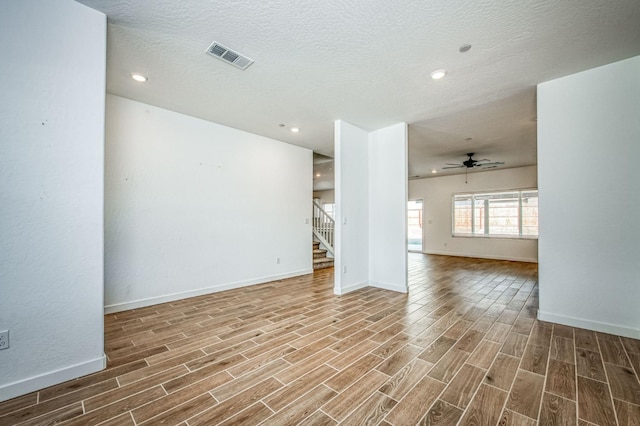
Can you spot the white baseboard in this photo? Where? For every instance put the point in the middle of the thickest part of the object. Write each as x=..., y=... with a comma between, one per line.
x=23, y=387
x=388, y=286
x=484, y=256
x=350, y=288
x=141, y=303
x=602, y=327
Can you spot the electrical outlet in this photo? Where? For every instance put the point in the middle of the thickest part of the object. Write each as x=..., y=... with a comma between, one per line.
x=344, y=269
x=277, y=260
x=4, y=339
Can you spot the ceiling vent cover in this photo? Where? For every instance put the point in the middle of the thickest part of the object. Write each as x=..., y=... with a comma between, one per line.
x=229, y=56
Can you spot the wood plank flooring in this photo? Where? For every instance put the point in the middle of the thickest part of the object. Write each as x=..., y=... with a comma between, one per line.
x=462, y=347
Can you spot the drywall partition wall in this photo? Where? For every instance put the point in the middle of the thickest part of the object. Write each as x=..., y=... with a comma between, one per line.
x=194, y=207
x=437, y=216
x=52, y=80
x=352, y=208
x=588, y=146
x=388, y=208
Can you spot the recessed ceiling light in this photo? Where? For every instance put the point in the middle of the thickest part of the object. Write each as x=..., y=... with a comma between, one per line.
x=434, y=171
x=281, y=125
x=139, y=77
x=295, y=129
x=464, y=48
x=468, y=139
x=318, y=175
x=438, y=74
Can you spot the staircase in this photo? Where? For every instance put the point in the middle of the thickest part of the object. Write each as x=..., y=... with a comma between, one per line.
x=320, y=259
x=323, y=232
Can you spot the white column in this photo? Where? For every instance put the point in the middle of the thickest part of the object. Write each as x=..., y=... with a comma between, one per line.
x=352, y=208
x=388, y=208
x=371, y=203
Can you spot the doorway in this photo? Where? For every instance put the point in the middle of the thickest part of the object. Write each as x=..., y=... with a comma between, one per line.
x=414, y=225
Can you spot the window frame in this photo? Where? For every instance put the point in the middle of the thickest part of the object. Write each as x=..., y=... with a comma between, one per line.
x=472, y=197
x=332, y=211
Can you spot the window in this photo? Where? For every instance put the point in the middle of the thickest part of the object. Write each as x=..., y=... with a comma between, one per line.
x=512, y=214
x=330, y=209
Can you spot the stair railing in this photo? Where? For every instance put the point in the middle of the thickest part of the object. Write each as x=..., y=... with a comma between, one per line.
x=323, y=226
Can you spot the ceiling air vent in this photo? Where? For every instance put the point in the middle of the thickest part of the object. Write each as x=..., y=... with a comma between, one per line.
x=229, y=56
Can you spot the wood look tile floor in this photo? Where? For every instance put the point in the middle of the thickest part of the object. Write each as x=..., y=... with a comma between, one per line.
x=462, y=347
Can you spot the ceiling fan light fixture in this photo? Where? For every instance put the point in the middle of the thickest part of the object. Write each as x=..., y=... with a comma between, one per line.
x=438, y=74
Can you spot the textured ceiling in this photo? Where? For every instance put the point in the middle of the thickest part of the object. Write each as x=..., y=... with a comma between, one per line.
x=367, y=62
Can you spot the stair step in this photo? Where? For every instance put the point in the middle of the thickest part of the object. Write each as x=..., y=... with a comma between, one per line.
x=320, y=259
x=319, y=253
x=323, y=262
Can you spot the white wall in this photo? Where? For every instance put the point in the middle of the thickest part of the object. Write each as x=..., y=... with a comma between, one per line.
x=437, y=192
x=352, y=208
x=588, y=149
x=388, y=208
x=194, y=207
x=327, y=196
x=52, y=79
x=371, y=202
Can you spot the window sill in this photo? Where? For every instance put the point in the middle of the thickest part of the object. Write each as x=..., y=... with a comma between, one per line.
x=500, y=237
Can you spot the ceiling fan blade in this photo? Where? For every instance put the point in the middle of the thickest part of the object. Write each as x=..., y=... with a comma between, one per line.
x=495, y=163
x=453, y=164
x=484, y=159
x=453, y=167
